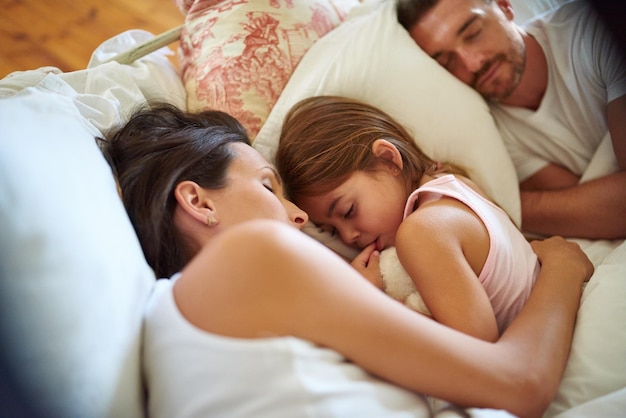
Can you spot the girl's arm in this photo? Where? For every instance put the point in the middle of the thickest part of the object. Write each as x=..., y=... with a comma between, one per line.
x=267, y=279
x=430, y=247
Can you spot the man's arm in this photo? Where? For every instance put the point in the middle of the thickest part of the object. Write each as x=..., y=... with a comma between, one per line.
x=595, y=209
x=554, y=203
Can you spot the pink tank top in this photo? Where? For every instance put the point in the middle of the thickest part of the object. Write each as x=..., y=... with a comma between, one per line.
x=511, y=266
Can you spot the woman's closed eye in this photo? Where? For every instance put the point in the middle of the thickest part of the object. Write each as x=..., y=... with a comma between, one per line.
x=269, y=187
x=272, y=181
x=275, y=189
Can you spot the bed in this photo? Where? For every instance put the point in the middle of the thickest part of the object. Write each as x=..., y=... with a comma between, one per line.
x=73, y=278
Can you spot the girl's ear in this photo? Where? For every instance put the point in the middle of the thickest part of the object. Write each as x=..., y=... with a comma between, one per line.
x=195, y=202
x=381, y=148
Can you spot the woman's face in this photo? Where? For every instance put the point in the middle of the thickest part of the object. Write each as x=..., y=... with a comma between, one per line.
x=254, y=191
x=367, y=208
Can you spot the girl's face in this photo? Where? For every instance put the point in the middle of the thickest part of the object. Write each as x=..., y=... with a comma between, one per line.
x=254, y=191
x=367, y=208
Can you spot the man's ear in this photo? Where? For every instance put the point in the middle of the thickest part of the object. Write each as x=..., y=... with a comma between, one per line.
x=194, y=201
x=385, y=150
x=507, y=8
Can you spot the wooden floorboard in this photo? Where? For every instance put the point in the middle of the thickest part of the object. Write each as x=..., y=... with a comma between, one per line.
x=63, y=33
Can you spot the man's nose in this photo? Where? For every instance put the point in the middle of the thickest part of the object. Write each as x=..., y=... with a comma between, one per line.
x=472, y=60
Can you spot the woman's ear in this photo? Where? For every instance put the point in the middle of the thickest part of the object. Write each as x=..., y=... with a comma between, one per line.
x=195, y=202
x=385, y=150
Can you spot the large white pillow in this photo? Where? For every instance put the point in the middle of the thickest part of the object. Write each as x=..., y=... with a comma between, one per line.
x=370, y=57
x=73, y=278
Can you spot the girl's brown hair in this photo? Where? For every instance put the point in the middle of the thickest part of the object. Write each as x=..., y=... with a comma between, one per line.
x=325, y=139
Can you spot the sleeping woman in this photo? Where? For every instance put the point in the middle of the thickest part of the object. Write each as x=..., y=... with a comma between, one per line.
x=258, y=319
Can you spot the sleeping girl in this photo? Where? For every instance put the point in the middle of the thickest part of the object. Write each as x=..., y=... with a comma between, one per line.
x=359, y=174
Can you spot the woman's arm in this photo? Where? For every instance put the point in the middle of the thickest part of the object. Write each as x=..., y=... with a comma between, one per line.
x=267, y=279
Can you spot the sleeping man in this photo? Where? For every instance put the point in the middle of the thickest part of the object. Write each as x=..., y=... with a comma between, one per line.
x=557, y=90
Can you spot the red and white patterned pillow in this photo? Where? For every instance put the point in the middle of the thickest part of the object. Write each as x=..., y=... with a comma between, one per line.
x=237, y=55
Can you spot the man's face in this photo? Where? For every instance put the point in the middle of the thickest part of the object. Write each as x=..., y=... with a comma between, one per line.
x=476, y=41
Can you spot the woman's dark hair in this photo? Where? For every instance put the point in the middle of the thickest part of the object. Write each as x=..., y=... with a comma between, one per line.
x=155, y=150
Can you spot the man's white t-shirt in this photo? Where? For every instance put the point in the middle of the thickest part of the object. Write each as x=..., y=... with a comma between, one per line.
x=586, y=70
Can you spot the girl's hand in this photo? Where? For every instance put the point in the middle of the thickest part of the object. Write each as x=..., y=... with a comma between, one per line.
x=368, y=264
x=564, y=255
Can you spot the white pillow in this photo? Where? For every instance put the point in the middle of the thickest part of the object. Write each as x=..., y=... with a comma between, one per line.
x=370, y=57
x=153, y=75
x=109, y=92
x=74, y=281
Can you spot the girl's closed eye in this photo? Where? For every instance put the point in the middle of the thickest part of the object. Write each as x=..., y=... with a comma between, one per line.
x=328, y=228
x=349, y=213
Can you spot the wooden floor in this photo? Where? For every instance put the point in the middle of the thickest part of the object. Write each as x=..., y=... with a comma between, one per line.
x=63, y=33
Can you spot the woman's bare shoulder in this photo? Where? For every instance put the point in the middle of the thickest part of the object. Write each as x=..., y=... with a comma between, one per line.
x=254, y=279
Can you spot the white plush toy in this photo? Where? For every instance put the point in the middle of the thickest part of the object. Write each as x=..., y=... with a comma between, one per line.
x=398, y=284
x=396, y=281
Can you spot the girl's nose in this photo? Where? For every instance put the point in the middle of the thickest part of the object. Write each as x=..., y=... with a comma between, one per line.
x=349, y=236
